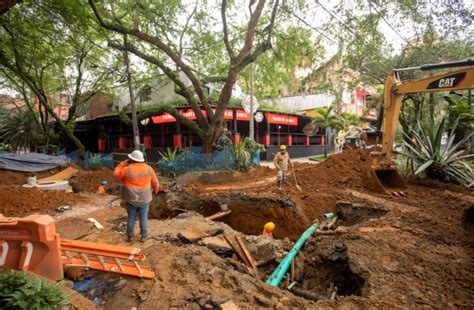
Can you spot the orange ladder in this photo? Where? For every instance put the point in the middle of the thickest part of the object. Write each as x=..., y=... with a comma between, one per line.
x=105, y=257
x=32, y=244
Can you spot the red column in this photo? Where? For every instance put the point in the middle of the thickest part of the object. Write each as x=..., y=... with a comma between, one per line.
x=289, y=140
x=323, y=141
x=122, y=141
x=178, y=140
x=236, y=137
x=101, y=145
x=266, y=139
x=147, y=142
x=306, y=141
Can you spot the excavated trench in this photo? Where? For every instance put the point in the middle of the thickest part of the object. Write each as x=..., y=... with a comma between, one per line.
x=248, y=215
x=325, y=266
x=323, y=276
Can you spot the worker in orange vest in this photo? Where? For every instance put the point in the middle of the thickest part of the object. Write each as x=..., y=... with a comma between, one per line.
x=138, y=182
x=267, y=229
x=103, y=187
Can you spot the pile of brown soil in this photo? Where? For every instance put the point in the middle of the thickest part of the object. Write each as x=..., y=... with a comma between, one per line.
x=19, y=201
x=9, y=177
x=90, y=180
x=349, y=169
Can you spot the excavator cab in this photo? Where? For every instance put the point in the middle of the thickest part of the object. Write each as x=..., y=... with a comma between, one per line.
x=383, y=175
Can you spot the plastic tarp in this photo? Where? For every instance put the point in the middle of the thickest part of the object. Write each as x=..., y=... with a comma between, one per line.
x=30, y=162
x=194, y=161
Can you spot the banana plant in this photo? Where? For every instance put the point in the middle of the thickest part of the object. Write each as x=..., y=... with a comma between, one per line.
x=443, y=162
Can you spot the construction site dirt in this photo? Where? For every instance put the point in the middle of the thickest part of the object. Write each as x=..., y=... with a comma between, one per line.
x=411, y=251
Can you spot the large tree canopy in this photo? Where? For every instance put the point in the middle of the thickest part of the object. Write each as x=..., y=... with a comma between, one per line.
x=155, y=34
x=51, y=62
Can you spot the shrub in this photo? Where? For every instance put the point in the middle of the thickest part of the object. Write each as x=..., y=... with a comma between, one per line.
x=20, y=290
x=442, y=162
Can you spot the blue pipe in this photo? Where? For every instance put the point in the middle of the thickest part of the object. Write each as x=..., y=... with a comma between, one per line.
x=278, y=274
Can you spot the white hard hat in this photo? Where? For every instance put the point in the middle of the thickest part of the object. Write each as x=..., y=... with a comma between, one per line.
x=136, y=156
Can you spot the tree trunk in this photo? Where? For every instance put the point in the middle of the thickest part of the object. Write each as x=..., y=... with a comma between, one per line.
x=136, y=134
x=214, y=133
x=325, y=142
x=67, y=130
x=431, y=103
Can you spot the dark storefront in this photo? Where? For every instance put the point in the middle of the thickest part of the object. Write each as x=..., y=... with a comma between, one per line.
x=108, y=134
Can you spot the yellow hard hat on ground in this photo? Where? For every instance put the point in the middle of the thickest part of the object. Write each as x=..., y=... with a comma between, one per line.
x=269, y=227
x=282, y=147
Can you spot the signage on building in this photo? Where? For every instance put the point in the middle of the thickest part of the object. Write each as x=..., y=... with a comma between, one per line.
x=282, y=119
x=241, y=115
x=258, y=117
x=246, y=104
x=309, y=130
x=189, y=114
x=145, y=121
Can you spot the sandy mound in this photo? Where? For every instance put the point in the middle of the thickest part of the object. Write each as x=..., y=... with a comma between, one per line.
x=89, y=180
x=18, y=201
x=9, y=177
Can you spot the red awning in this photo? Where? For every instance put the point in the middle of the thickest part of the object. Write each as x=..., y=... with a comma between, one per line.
x=282, y=119
x=189, y=114
x=361, y=93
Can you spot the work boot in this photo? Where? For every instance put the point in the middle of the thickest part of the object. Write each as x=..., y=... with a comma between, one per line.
x=130, y=238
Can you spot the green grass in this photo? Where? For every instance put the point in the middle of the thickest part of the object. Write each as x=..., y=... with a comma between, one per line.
x=320, y=158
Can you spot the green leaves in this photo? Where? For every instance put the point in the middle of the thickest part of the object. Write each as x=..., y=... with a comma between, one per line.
x=245, y=151
x=326, y=118
x=20, y=130
x=443, y=162
x=20, y=290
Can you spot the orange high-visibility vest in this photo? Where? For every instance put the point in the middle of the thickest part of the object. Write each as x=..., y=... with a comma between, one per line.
x=138, y=180
x=266, y=233
x=101, y=189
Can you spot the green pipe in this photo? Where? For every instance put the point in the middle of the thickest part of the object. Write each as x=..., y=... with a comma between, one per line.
x=280, y=271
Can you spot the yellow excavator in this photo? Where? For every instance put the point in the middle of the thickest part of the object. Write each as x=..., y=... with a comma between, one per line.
x=383, y=171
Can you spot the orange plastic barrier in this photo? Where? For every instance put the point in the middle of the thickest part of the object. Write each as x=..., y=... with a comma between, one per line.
x=31, y=244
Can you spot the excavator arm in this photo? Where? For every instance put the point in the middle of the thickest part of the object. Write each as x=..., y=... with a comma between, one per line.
x=395, y=90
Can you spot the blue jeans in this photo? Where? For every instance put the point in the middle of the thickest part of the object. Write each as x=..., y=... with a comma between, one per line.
x=142, y=216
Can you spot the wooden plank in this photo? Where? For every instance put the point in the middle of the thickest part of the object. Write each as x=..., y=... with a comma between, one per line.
x=235, y=245
x=218, y=215
x=252, y=261
x=64, y=175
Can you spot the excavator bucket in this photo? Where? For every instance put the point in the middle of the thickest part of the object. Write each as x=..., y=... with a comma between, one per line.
x=388, y=181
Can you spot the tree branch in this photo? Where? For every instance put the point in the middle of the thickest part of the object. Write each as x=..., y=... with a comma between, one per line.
x=183, y=91
x=251, y=29
x=226, y=32
x=161, y=46
x=162, y=108
x=186, y=25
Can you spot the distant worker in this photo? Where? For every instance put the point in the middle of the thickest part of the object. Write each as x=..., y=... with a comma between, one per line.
x=103, y=187
x=267, y=229
x=281, y=161
x=138, y=180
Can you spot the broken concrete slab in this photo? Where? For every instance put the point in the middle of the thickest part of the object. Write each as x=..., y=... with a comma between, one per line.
x=219, y=245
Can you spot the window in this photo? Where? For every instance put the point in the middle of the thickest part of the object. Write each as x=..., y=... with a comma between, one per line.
x=145, y=94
